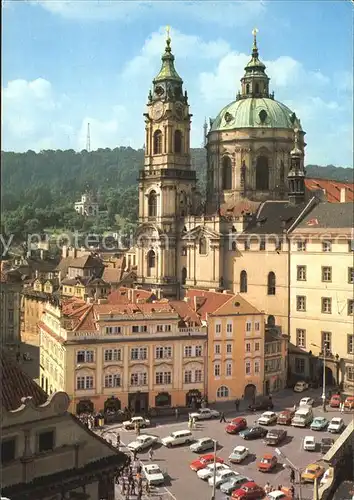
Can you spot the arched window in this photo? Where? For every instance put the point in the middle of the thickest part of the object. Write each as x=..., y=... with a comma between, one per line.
x=202, y=246
x=271, y=320
x=243, y=282
x=151, y=262
x=152, y=204
x=271, y=283
x=234, y=246
x=257, y=88
x=157, y=142
x=222, y=392
x=178, y=141
x=262, y=173
x=247, y=88
x=184, y=275
x=226, y=173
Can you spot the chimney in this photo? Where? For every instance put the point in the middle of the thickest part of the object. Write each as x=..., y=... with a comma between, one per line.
x=195, y=302
x=342, y=195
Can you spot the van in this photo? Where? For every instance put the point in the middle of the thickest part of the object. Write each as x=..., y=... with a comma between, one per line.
x=303, y=416
x=177, y=437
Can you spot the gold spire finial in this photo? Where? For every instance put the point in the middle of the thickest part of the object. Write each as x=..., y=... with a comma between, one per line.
x=254, y=33
x=168, y=29
x=296, y=137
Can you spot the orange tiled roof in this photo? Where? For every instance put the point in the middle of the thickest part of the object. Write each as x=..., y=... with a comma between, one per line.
x=16, y=384
x=212, y=301
x=87, y=321
x=332, y=189
x=121, y=296
x=185, y=311
x=235, y=305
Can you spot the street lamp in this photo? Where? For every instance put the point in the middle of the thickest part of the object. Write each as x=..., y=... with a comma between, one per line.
x=214, y=472
x=281, y=454
x=323, y=375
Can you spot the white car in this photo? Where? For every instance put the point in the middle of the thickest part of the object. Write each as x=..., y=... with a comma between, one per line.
x=141, y=421
x=301, y=386
x=208, y=471
x=142, y=442
x=336, y=425
x=306, y=402
x=267, y=418
x=222, y=477
x=277, y=495
x=205, y=414
x=238, y=454
x=309, y=443
x=203, y=444
x=153, y=474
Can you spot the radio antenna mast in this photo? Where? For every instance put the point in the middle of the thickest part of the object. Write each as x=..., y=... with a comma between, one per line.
x=88, y=139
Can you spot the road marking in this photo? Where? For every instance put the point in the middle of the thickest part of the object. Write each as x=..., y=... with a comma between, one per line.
x=169, y=493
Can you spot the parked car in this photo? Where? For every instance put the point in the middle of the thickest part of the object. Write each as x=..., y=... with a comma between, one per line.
x=205, y=460
x=301, y=386
x=234, y=483
x=335, y=401
x=140, y=421
x=278, y=495
x=261, y=403
x=222, y=477
x=303, y=416
x=253, y=433
x=208, y=471
x=349, y=403
x=238, y=454
x=312, y=472
x=336, y=425
x=309, y=443
x=142, y=442
x=267, y=418
x=202, y=444
x=326, y=444
x=177, y=437
x=248, y=491
x=285, y=417
x=267, y=463
x=275, y=436
x=205, y=414
x=319, y=424
x=236, y=425
x=306, y=402
x=153, y=474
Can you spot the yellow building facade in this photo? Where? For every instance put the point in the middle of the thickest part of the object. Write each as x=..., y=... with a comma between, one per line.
x=321, y=294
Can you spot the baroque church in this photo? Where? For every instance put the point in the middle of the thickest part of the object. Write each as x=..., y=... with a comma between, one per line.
x=255, y=157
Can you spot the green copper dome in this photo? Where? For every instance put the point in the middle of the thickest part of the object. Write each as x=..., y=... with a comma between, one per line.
x=256, y=112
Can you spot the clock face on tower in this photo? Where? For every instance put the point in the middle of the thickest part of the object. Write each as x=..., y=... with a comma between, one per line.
x=157, y=110
x=179, y=110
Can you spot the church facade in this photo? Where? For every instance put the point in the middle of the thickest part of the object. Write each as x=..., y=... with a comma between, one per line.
x=255, y=162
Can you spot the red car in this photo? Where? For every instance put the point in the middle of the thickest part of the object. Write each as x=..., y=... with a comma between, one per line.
x=285, y=417
x=236, y=425
x=349, y=403
x=248, y=491
x=267, y=463
x=335, y=401
x=203, y=461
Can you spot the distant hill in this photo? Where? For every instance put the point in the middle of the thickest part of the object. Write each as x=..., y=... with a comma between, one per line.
x=38, y=189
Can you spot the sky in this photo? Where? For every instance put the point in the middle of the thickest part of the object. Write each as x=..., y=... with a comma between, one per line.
x=69, y=63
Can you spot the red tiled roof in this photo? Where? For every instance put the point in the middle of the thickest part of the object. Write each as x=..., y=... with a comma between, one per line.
x=50, y=332
x=16, y=384
x=87, y=321
x=128, y=295
x=212, y=301
x=185, y=311
x=332, y=189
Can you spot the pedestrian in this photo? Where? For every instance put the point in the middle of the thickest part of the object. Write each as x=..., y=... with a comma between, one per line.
x=151, y=454
x=134, y=455
x=222, y=417
x=176, y=413
x=193, y=423
x=292, y=491
x=342, y=407
x=280, y=487
x=237, y=404
x=118, y=440
x=292, y=476
x=267, y=488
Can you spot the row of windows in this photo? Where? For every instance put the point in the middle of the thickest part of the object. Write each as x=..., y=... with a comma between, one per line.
x=326, y=340
x=271, y=283
x=136, y=353
x=158, y=141
x=248, y=347
x=326, y=305
x=228, y=368
x=114, y=330
x=326, y=246
x=84, y=382
x=326, y=274
x=272, y=365
x=45, y=441
x=229, y=328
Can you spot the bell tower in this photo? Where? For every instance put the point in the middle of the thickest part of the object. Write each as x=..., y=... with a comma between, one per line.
x=296, y=175
x=166, y=183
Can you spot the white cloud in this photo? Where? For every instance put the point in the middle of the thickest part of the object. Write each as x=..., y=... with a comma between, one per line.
x=230, y=14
